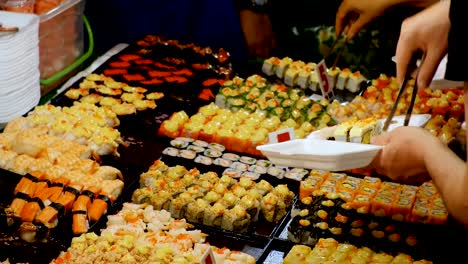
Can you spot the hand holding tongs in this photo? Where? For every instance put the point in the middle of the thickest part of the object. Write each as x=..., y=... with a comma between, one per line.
x=340, y=53
x=400, y=93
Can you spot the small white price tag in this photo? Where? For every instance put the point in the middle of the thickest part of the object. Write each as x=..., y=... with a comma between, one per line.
x=281, y=135
x=323, y=80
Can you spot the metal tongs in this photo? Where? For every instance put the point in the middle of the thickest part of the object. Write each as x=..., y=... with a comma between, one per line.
x=403, y=87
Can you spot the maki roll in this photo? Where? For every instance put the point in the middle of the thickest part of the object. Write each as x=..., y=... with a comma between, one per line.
x=186, y=139
x=292, y=73
x=257, y=169
x=200, y=143
x=354, y=82
x=204, y=160
x=270, y=65
x=332, y=75
x=283, y=66
x=304, y=75
x=214, y=215
x=252, y=205
x=341, y=132
x=248, y=160
x=264, y=163
x=343, y=79
x=169, y=151
x=236, y=219
x=229, y=200
x=313, y=81
x=363, y=130
x=223, y=162
x=231, y=172
x=212, y=153
x=196, y=210
x=296, y=174
x=197, y=149
x=187, y=154
x=217, y=147
x=178, y=205
x=251, y=175
x=240, y=166
x=231, y=156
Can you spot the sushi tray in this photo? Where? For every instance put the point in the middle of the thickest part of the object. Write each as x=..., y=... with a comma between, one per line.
x=436, y=243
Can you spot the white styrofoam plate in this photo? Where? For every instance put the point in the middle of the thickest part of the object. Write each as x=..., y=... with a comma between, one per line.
x=320, y=154
x=397, y=121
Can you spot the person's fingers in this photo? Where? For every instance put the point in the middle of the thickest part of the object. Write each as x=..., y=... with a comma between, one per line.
x=381, y=140
x=429, y=67
x=341, y=17
x=358, y=24
x=404, y=53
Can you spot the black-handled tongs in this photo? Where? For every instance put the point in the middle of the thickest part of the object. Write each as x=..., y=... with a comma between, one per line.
x=403, y=87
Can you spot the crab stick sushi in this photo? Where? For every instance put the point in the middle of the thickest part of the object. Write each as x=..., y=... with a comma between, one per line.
x=80, y=214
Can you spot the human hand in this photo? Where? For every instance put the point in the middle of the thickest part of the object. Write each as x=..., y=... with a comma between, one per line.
x=426, y=31
x=258, y=33
x=403, y=155
x=358, y=13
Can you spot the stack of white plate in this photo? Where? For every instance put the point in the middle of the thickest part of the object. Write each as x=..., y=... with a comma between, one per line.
x=20, y=89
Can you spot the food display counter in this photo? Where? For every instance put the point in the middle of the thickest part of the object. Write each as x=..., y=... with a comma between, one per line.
x=153, y=158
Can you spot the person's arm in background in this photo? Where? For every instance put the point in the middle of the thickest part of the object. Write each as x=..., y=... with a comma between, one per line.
x=410, y=152
x=359, y=13
x=256, y=26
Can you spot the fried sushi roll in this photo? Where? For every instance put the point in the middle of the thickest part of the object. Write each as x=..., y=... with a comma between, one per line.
x=236, y=219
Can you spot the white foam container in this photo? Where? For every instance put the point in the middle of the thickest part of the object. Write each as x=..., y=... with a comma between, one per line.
x=320, y=154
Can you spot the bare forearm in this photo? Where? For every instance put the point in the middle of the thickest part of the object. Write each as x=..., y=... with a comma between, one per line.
x=416, y=3
x=448, y=173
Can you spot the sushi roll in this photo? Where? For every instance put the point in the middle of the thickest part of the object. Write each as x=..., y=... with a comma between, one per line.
x=342, y=80
x=269, y=65
x=214, y=215
x=186, y=139
x=231, y=156
x=204, y=160
x=297, y=254
x=212, y=153
x=217, y=147
x=196, y=210
x=304, y=75
x=332, y=75
x=248, y=160
x=196, y=149
x=296, y=174
x=258, y=169
x=251, y=175
x=223, y=162
x=178, y=206
x=313, y=81
x=382, y=204
x=364, y=130
x=169, y=151
x=283, y=66
x=239, y=166
x=292, y=73
x=263, y=163
x=187, y=154
x=354, y=82
x=341, y=132
x=200, y=143
x=231, y=172
x=236, y=219
x=252, y=205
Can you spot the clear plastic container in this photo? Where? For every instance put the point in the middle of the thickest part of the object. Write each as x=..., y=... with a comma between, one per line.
x=61, y=39
x=20, y=6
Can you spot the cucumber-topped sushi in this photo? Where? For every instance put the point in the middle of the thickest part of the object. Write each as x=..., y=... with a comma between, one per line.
x=270, y=65
x=363, y=130
x=236, y=219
